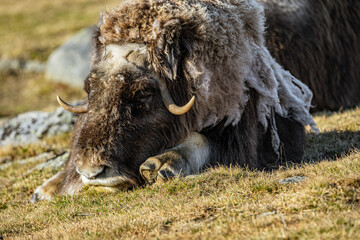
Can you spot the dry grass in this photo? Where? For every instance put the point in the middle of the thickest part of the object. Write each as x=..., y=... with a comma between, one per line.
x=339, y=134
x=221, y=203
x=33, y=29
x=55, y=144
x=22, y=92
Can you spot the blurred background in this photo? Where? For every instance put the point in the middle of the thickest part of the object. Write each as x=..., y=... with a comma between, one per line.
x=30, y=32
x=45, y=51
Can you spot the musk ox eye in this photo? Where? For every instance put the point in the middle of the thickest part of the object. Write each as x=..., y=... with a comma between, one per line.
x=147, y=99
x=142, y=104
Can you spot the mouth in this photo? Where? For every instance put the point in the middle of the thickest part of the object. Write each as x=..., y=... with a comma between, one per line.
x=109, y=179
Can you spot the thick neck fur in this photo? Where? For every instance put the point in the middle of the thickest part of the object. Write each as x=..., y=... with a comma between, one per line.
x=219, y=48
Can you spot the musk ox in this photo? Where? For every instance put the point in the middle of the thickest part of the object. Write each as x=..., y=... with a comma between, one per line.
x=318, y=41
x=237, y=105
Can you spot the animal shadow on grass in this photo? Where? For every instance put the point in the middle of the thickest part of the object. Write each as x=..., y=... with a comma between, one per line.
x=330, y=145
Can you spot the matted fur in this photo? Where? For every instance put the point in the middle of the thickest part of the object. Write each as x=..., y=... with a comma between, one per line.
x=219, y=47
x=318, y=41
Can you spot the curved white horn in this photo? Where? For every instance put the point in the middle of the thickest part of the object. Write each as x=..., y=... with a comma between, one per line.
x=74, y=109
x=169, y=102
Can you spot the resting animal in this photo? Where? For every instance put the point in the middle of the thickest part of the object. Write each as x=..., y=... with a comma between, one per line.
x=237, y=104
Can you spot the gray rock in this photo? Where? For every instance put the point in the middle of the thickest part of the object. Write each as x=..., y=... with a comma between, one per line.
x=70, y=63
x=49, y=160
x=294, y=179
x=34, y=66
x=24, y=65
x=3, y=120
x=32, y=126
x=9, y=64
x=39, y=158
x=54, y=163
x=267, y=214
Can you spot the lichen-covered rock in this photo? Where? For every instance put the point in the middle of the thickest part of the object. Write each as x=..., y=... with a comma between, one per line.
x=54, y=163
x=50, y=161
x=39, y=158
x=23, y=65
x=32, y=126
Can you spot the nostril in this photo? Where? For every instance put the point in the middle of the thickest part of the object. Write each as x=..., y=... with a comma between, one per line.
x=90, y=172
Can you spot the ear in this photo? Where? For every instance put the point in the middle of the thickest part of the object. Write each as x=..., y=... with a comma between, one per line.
x=174, y=44
x=166, y=54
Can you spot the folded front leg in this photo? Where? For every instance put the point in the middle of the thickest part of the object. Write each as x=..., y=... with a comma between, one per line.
x=67, y=181
x=187, y=158
x=51, y=187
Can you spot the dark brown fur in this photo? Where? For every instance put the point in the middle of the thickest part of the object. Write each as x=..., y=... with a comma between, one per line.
x=248, y=144
x=318, y=41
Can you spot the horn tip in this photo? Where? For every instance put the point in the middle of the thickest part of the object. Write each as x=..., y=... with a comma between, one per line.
x=181, y=110
x=59, y=100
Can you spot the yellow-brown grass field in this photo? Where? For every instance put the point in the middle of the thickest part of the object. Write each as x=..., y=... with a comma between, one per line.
x=221, y=203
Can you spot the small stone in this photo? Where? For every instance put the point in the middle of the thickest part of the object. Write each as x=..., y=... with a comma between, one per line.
x=294, y=179
x=267, y=214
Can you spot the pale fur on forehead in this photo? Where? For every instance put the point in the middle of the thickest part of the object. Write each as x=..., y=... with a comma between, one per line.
x=113, y=57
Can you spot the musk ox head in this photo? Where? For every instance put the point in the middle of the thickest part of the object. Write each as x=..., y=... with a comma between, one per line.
x=130, y=115
x=148, y=53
